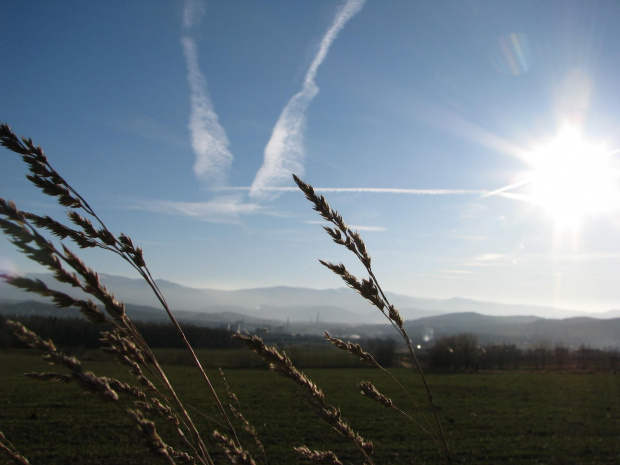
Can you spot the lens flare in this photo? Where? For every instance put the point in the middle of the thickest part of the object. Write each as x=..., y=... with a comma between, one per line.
x=513, y=55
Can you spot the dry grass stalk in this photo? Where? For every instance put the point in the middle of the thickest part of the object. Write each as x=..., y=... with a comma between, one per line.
x=10, y=452
x=369, y=390
x=248, y=428
x=281, y=364
x=165, y=412
x=125, y=388
x=235, y=408
x=322, y=457
x=231, y=394
x=343, y=235
x=23, y=229
x=354, y=349
x=108, y=389
x=368, y=288
x=234, y=453
x=87, y=307
x=88, y=381
x=87, y=230
x=150, y=436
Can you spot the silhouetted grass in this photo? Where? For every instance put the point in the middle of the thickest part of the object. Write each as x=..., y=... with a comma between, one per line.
x=171, y=425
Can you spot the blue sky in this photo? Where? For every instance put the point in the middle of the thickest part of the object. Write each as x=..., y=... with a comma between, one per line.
x=181, y=123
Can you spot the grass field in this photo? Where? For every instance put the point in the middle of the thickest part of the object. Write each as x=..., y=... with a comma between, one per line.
x=517, y=418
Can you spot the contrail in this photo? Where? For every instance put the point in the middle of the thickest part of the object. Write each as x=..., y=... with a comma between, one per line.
x=502, y=190
x=389, y=190
x=372, y=190
x=284, y=152
x=193, y=11
x=209, y=141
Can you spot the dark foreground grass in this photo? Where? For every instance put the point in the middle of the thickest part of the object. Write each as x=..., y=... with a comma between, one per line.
x=518, y=418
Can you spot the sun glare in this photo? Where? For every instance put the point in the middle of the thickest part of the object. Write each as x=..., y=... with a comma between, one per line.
x=572, y=179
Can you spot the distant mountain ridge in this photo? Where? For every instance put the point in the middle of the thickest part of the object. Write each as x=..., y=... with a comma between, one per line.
x=523, y=331
x=294, y=303
x=341, y=311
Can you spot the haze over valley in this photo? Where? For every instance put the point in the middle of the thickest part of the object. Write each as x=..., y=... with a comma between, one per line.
x=311, y=311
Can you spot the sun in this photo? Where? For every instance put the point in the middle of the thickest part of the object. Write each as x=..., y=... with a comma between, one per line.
x=572, y=180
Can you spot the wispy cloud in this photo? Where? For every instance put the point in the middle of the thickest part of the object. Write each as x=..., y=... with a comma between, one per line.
x=209, y=141
x=224, y=209
x=284, y=152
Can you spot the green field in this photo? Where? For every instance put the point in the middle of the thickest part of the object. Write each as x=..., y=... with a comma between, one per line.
x=519, y=418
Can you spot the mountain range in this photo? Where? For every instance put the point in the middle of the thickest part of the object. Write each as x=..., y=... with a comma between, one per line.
x=295, y=303
x=340, y=311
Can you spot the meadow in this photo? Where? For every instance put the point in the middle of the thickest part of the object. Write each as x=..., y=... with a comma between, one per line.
x=489, y=418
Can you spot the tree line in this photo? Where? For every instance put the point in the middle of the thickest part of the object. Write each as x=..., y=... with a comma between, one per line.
x=457, y=353
x=77, y=332
x=462, y=352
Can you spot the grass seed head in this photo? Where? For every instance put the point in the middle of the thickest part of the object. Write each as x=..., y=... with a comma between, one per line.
x=321, y=457
x=235, y=454
x=354, y=349
x=369, y=390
